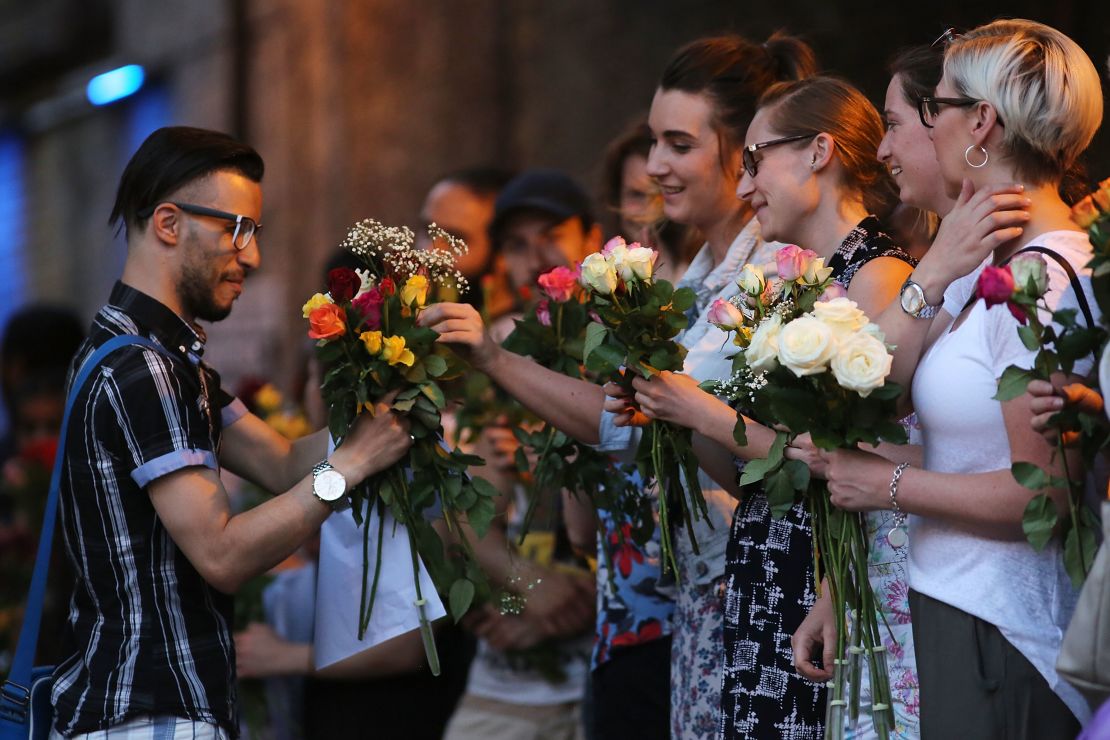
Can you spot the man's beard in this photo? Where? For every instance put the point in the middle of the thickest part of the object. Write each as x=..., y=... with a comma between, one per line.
x=197, y=296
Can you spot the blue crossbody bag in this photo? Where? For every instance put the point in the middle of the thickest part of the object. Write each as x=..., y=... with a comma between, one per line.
x=25, y=708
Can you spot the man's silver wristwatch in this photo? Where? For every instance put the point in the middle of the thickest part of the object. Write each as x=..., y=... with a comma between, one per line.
x=914, y=303
x=328, y=484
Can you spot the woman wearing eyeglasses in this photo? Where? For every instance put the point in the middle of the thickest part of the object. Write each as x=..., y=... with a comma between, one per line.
x=1018, y=102
x=699, y=115
x=811, y=176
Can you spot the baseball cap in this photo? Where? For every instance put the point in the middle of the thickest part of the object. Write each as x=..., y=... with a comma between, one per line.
x=549, y=191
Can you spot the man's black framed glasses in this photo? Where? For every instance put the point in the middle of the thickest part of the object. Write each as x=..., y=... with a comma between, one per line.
x=751, y=164
x=245, y=226
x=928, y=107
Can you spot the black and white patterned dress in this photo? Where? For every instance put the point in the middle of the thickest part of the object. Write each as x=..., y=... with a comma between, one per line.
x=769, y=580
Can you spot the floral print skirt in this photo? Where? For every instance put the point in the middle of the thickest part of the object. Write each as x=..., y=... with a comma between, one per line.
x=696, y=652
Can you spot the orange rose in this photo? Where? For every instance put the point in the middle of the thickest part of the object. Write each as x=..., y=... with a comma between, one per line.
x=327, y=322
x=1084, y=213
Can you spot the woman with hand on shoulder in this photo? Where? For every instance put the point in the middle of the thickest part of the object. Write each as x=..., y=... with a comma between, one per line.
x=1018, y=102
x=699, y=117
x=812, y=178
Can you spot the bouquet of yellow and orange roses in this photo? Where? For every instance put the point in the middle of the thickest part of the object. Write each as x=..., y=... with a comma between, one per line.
x=370, y=344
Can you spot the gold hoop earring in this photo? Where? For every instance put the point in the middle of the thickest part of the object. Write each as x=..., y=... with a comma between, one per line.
x=986, y=156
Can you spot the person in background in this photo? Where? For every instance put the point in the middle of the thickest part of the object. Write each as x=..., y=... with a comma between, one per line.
x=461, y=203
x=635, y=204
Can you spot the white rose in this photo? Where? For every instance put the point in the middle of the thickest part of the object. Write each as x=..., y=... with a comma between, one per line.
x=638, y=263
x=806, y=345
x=751, y=280
x=816, y=272
x=842, y=315
x=598, y=274
x=874, y=330
x=762, y=351
x=861, y=364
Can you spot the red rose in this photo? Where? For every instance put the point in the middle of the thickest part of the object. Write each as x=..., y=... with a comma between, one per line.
x=1018, y=312
x=369, y=306
x=343, y=283
x=388, y=286
x=996, y=285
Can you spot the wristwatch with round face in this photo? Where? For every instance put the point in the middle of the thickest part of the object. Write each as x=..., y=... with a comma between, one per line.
x=913, y=301
x=328, y=484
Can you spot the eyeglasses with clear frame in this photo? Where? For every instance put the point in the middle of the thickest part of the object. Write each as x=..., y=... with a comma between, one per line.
x=751, y=164
x=946, y=37
x=928, y=107
x=245, y=226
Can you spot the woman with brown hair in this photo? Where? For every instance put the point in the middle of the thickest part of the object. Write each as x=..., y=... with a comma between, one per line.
x=811, y=175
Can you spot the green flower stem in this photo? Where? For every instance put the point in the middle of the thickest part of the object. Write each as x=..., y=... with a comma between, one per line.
x=425, y=625
x=666, y=545
x=366, y=609
x=1073, y=502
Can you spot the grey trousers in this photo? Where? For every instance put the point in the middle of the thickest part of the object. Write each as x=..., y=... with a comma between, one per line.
x=976, y=685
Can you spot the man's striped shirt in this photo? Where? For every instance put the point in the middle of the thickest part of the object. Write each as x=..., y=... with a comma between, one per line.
x=151, y=636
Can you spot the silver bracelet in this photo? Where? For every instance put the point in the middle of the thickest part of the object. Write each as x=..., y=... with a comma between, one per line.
x=897, y=535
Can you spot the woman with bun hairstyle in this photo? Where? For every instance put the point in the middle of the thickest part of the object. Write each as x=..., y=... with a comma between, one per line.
x=1018, y=103
x=699, y=117
x=812, y=177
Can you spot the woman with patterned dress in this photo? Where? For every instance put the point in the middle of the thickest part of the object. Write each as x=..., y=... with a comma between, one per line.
x=812, y=177
x=699, y=115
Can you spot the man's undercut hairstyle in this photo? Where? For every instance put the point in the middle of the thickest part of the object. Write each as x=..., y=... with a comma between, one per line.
x=171, y=158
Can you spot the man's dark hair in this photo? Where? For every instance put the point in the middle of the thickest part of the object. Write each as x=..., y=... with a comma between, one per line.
x=171, y=158
x=484, y=181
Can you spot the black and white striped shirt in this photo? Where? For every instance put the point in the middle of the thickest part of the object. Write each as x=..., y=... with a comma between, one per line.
x=151, y=636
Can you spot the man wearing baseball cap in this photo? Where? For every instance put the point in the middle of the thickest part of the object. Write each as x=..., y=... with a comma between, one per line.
x=543, y=219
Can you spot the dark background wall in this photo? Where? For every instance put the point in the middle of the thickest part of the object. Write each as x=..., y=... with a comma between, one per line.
x=358, y=105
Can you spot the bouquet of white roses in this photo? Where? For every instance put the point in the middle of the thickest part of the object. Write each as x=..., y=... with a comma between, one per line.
x=812, y=362
x=637, y=320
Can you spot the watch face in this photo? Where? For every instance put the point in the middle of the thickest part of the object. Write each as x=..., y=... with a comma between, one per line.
x=329, y=485
x=912, y=300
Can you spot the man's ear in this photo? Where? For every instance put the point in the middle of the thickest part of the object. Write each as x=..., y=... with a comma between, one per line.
x=166, y=224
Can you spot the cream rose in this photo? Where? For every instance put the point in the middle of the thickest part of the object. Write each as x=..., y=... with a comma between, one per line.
x=861, y=364
x=638, y=263
x=751, y=280
x=842, y=315
x=815, y=272
x=598, y=274
x=806, y=345
x=762, y=351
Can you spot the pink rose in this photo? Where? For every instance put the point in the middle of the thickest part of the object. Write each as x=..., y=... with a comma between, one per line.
x=793, y=261
x=613, y=245
x=725, y=315
x=543, y=312
x=369, y=306
x=559, y=284
x=833, y=290
x=996, y=285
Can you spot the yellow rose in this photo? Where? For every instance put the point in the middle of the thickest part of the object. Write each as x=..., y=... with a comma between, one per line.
x=314, y=303
x=415, y=291
x=372, y=340
x=1084, y=213
x=394, y=352
x=861, y=364
x=806, y=345
x=598, y=274
x=267, y=398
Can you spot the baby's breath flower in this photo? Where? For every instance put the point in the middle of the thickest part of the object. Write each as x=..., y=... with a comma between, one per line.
x=393, y=249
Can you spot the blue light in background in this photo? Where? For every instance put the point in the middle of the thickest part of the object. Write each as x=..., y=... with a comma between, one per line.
x=114, y=85
x=13, y=236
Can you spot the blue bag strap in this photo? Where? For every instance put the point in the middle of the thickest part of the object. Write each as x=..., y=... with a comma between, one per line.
x=17, y=688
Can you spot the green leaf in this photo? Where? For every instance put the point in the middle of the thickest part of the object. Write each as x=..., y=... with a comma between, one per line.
x=605, y=359
x=757, y=470
x=739, y=431
x=798, y=472
x=595, y=335
x=405, y=405
x=434, y=394
x=1079, y=550
x=780, y=493
x=682, y=299
x=460, y=598
x=1013, y=383
x=1029, y=475
x=435, y=365
x=1039, y=520
x=1029, y=338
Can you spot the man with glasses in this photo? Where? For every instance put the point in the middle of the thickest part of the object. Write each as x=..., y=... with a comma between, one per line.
x=146, y=519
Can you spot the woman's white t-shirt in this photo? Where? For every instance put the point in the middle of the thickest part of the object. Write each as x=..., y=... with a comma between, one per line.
x=1025, y=593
